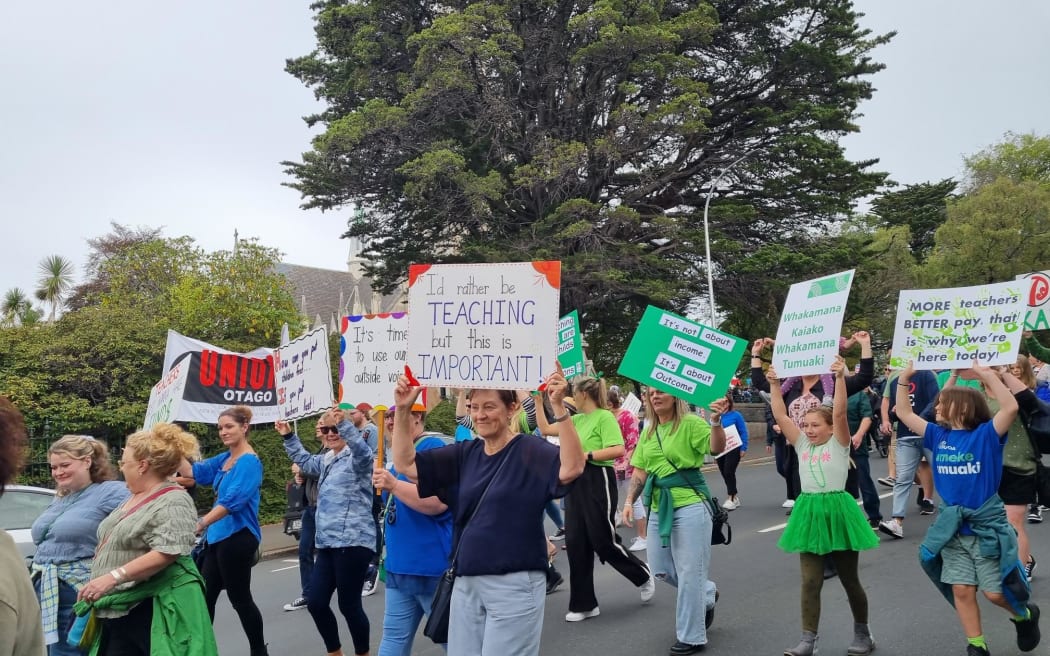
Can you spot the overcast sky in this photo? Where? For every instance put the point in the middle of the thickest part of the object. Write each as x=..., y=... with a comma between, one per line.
x=177, y=114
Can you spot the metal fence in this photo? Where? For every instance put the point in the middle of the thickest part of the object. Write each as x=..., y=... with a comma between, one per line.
x=37, y=469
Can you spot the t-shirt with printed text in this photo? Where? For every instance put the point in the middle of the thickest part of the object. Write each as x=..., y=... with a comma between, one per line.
x=967, y=465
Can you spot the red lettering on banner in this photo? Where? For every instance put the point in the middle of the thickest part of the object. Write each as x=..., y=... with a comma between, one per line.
x=209, y=367
x=228, y=370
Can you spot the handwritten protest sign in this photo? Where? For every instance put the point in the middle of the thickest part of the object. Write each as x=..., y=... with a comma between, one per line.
x=632, y=404
x=682, y=357
x=733, y=440
x=570, y=346
x=303, y=376
x=946, y=328
x=1038, y=295
x=483, y=325
x=808, y=335
x=373, y=352
x=166, y=396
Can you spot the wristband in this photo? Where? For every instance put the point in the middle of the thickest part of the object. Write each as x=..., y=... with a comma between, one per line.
x=590, y=456
x=116, y=575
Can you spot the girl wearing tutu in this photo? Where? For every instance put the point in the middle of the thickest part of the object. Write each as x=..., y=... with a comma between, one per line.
x=826, y=519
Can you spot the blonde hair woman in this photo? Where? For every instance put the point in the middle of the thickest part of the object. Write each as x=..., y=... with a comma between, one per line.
x=66, y=534
x=144, y=586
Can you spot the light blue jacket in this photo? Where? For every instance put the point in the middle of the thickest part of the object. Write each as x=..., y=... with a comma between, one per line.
x=344, y=489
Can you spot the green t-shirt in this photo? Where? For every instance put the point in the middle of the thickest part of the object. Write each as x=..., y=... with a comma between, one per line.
x=597, y=430
x=942, y=378
x=686, y=447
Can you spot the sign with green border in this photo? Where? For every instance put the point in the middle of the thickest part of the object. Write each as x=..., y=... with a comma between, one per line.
x=570, y=346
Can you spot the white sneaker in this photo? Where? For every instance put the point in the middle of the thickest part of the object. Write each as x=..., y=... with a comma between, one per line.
x=788, y=503
x=298, y=604
x=579, y=617
x=647, y=590
x=731, y=503
x=638, y=544
x=894, y=528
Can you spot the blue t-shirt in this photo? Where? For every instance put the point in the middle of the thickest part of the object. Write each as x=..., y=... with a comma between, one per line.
x=507, y=533
x=923, y=389
x=68, y=529
x=416, y=543
x=236, y=490
x=734, y=418
x=967, y=465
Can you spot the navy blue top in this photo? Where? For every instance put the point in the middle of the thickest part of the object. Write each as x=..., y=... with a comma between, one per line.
x=507, y=533
x=236, y=490
x=923, y=389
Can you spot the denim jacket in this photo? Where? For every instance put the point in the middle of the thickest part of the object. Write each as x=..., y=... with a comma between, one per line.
x=344, y=499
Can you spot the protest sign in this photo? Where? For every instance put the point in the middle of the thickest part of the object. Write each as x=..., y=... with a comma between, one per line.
x=682, y=357
x=946, y=328
x=483, y=325
x=570, y=346
x=219, y=378
x=166, y=396
x=372, y=354
x=808, y=335
x=1038, y=295
x=632, y=404
x=733, y=440
x=303, y=376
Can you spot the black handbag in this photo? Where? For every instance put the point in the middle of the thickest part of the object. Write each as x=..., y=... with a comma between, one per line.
x=721, y=531
x=436, y=627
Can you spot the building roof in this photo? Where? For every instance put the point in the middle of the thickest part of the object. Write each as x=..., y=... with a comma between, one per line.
x=326, y=295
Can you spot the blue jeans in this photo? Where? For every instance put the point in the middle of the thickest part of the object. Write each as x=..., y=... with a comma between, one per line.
x=497, y=615
x=684, y=564
x=408, y=600
x=554, y=512
x=909, y=454
x=67, y=596
x=867, y=487
x=306, y=547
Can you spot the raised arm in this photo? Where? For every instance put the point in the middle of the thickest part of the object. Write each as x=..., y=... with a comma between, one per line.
x=840, y=425
x=758, y=377
x=866, y=373
x=718, y=433
x=1007, y=403
x=905, y=413
x=1035, y=348
x=776, y=402
x=401, y=444
x=572, y=459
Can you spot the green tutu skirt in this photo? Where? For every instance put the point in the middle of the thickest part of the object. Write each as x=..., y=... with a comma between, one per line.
x=826, y=522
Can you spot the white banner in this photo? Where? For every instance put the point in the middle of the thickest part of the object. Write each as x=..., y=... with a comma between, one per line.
x=946, y=328
x=372, y=356
x=166, y=396
x=808, y=335
x=483, y=325
x=733, y=440
x=1038, y=296
x=303, y=376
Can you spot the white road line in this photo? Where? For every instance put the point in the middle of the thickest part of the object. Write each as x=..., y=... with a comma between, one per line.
x=780, y=527
x=281, y=569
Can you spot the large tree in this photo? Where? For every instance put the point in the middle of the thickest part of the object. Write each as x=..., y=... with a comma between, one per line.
x=588, y=132
x=55, y=282
x=922, y=208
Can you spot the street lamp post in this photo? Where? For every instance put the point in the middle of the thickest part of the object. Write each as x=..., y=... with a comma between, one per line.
x=707, y=233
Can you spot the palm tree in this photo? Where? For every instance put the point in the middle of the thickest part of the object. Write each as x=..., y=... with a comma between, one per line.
x=17, y=309
x=56, y=279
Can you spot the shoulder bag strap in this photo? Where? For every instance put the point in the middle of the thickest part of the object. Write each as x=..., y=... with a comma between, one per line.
x=481, y=499
x=656, y=429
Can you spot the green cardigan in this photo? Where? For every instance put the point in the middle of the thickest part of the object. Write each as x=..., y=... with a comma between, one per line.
x=181, y=625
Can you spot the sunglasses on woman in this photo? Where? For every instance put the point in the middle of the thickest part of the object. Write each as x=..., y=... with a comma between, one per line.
x=329, y=430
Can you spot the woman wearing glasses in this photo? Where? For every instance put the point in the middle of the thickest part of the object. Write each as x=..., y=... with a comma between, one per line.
x=345, y=535
x=418, y=543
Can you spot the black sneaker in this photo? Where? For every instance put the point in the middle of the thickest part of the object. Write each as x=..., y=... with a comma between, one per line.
x=1028, y=630
x=371, y=583
x=1029, y=567
x=709, y=614
x=972, y=650
x=1035, y=514
x=554, y=581
x=298, y=604
x=682, y=648
x=927, y=507
x=920, y=497
x=558, y=535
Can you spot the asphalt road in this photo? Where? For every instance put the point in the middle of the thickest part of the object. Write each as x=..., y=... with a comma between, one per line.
x=758, y=612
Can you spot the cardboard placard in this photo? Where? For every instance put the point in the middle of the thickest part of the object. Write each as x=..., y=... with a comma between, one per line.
x=570, y=346
x=808, y=334
x=1038, y=296
x=632, y=404
x=166, y=396
x=483, y=325
x=303, y=375
x=373, y=351
x=946, y=328
x=682, y=357
x=733, y=440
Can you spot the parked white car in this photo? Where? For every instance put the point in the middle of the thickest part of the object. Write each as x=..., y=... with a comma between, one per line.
x=20, y=505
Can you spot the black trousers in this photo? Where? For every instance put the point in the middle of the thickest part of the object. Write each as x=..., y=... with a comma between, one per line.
x=727, y=464
x=227, y=565
x=590, y=529
x=794, y=483
x=343, y=569
x=128, y=635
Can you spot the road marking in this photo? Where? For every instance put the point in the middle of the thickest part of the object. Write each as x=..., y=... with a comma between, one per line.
x=780, y=527
x=281, y=569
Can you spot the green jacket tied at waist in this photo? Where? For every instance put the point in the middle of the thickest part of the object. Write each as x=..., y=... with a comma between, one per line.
x=181, y=626
x=691, y=478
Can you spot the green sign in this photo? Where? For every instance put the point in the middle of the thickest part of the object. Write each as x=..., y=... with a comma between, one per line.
x=682, y=357
x=570, y=346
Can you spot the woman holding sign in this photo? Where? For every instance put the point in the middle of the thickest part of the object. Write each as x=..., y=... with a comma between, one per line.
x=589, y=526
x=496, y=487
x=667, y=475
x=728, y=462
